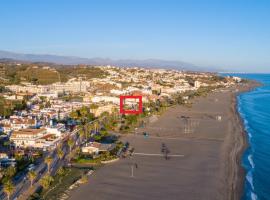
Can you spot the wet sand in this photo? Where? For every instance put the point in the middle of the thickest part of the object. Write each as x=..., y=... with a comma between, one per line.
x=205, y=144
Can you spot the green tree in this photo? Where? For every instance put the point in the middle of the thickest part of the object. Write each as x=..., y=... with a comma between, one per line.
x=48, y=161
x=74, y=115
x=84, y=112
x=32, y=175
x=96, y=126
x=61, y=171
x=10, y=172
x=60, y=153
x=70, y=144
x=46, y=181
x=9, y=188
x=131, y=119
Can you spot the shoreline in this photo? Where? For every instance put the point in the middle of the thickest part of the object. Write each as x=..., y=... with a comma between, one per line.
x=238, y=177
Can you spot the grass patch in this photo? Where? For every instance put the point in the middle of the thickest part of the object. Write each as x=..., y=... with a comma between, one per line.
x=84, y=159
x=60, y=184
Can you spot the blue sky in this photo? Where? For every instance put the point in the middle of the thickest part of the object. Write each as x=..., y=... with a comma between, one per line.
x=230, y=34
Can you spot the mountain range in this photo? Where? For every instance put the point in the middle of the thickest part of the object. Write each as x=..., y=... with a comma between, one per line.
x=72, y=60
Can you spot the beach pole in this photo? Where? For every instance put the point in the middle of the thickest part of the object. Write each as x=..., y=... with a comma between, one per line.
x=132, y=169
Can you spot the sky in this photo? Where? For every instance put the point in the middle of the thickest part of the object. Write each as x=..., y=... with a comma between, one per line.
x=226, y=34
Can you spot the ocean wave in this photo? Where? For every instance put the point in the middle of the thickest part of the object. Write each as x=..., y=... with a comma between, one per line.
x=250, y=159
x=253, y=196
x=249, y=178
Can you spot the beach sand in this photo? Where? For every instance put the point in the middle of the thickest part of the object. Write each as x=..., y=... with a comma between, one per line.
x=205, y=144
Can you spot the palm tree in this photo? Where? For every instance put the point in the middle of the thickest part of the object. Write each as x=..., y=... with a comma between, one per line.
x=70, y=144
x=82, y=134
x=74, y=115
x=115, y=113
x=9, y=188
x=48, y=161
x=61, y=171
x=88, y=129
x=84, y=113
x=93, y=107
x=32, y=175
x=96, y=125
x=60, y=153
x=10, y=172
x=46, y=181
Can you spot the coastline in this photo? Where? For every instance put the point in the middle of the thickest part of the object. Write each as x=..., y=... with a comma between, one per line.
x=237, y=180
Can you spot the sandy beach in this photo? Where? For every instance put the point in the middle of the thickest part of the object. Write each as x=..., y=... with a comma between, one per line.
x=205, y=144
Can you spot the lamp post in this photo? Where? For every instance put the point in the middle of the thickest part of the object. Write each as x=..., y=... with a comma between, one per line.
x=132, y=163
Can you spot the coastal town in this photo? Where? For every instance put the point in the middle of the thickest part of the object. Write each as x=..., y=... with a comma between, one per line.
x=53, y=120
x=134, y=100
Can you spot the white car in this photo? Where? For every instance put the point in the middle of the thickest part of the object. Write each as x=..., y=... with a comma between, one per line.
x=31, y=167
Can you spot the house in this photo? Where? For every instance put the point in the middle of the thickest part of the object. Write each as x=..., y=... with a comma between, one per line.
x=197, y=84
x=5, y=128
x=3, y=155
x=57, y=130
x=43, y=138
x=237, y=79
x=104, y=108
x=96, y=147
x=22, y=123
x=107, y=99
x=27, y=137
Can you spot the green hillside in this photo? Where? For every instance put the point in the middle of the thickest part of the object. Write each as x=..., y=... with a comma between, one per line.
x=14, y=74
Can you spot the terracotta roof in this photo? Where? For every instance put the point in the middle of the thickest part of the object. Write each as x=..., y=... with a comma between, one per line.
x=23, y=121
x=28, y=131
x=47, y=136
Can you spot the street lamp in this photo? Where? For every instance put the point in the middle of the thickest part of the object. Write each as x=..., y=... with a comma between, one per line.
x=133, y=164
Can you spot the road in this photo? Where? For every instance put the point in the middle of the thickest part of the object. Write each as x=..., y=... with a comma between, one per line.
x=22, y=183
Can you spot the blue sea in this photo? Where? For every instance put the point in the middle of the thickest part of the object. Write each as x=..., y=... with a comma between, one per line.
x=254, y=108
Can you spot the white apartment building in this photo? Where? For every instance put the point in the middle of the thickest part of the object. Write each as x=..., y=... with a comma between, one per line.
x=107, y=99
x=36, y=138
x=29, y=88
x=70, y=86
x=27, y=137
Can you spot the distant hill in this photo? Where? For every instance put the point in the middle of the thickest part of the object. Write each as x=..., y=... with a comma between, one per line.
x=72, y=60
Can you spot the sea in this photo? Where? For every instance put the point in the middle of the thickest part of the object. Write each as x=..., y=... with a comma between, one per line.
x=254, y=108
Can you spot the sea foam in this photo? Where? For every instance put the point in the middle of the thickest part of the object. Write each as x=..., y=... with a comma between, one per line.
x=250, y=179
x=253, y=196
x=250, y=159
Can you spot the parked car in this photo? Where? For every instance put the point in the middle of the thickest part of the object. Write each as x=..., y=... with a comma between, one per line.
x=31, y=167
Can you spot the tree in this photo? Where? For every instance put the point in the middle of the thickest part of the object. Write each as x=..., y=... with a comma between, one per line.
x=74, y=115
x=61, y=171
x=88, y=129
x=84, y=112
x=60, y=153
x=70, y=144
x=93, y=106
x=48, y=161
x=10, y=172
x=82, y=134
x=96, y=125
x=32, y=175
x=8, y=188
x=131, y=119
x=46, y=181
